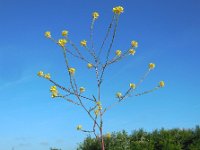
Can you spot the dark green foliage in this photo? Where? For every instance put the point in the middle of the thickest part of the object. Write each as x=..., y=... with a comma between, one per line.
x=90, y=144
x=118, y=141
x=174, y=139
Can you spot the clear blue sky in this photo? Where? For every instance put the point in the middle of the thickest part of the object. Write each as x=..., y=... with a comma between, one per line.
x=168, y=34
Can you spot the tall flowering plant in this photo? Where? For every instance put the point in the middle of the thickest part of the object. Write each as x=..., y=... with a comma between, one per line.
x=97, y=110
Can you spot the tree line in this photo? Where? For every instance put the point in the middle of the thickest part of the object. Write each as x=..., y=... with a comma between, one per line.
x=171, y=139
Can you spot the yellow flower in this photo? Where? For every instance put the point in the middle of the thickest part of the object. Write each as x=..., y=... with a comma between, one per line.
x=99, y=103
x=131, y=51
x=64, y=33
x=54, y=91
x=134, y=44
x=53, y=88
x=83, y=43
x=72, y=71
x=132, y=85
x=47, y=76
x=119, y=95
x=62, y=42
x=108, y=135
x=40, y=74
x=95, y=15
x=96, y=112
x=151, y=66
x=118, y=10
x=54, y=94
x=100, y=107
x=79, y=127
x=118, y=52
x=82, y=89
x=161, y=83
x=89, y=65
x=48, y=34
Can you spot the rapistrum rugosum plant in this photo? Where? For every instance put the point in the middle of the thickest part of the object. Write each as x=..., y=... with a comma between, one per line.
x=97, y=110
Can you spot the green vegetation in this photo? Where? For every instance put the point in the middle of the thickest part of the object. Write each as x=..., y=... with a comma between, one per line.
x=174, y=139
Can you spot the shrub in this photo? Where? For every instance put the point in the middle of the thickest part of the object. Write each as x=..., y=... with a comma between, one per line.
x=174, y=139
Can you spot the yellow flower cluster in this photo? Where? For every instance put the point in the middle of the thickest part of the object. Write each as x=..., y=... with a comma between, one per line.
x=72, y=71
x=151, y=66
x=95, y=15
x=99, y=107
x=54, y=91
x=131, y=51
x=132, y=86
x=98, y=103
x=118, y=10
x=119, y=95
x=79, y=127
x=46, y=76
x=82, y=89
x=62, y=42
x=134, y=44
x=64, y=33
x=89, y=65
x=83, y=43
x=118, y=52
x=96, y=112
x=161, y=83
x=108, y=135
x=40, y=73
x=48, y=34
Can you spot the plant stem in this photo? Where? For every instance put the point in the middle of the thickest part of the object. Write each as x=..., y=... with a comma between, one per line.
x=101, y=131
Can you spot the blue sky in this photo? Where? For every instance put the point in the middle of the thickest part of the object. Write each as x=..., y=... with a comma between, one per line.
x=167, y=32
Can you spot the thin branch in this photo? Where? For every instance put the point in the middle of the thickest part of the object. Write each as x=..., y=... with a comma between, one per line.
x=146, y=92
x=65, y=48
x=68, y=90
x=117, y=58
x=94, y=98
x=81, y=103
x=88, y=112
x=69, y=100
x=120, y=99
x=67, y=95
x=87, y=131
x=91, y=39
x=113, y=37
x=108, y=52
x=79, y=56
x=92, y=53
x=75, y=89
x=143, y=77
x=107, y=34
x=77, y=50
x=129, y=91
x=111, y=106
x=94, y=125
x=93, y=108
x=61, y=87
x=72, y=53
